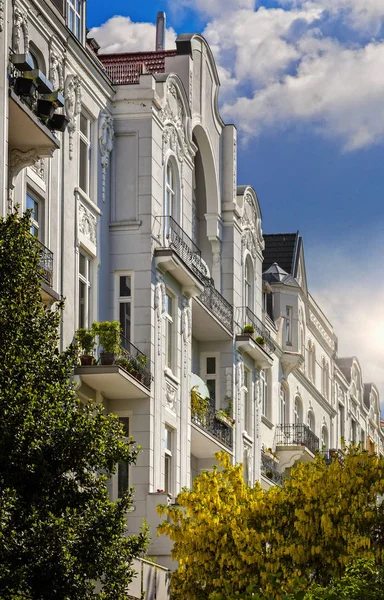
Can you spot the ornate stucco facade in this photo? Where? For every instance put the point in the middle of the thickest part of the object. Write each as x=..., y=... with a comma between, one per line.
x=142, y=220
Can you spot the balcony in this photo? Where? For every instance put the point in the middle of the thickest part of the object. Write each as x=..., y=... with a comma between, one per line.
x=212, y=315
x=210, y=435
x=127, y=377
x=179, y=255
x=295, y=442
x=332, y=455
x=46, y=265
x=28, y=122
x=152, y=581
x=270, y=470
x=257, y=343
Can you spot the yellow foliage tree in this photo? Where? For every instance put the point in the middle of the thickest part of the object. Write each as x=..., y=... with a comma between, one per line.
x=228, y=536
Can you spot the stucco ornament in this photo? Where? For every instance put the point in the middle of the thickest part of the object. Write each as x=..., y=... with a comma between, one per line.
x=160, y=293
x=1, y=15
x=56, y=70
x=72, y=95
x=20, y=34
x=18, y=160
x=187, y=319
x=106, y=134
x=170, y=396
x=87, y=223
x=173, y=118
x=252, y=237
x=39, y=168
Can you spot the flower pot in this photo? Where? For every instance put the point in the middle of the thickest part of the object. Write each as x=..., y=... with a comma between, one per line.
x=107, y=358
x=45, y=109
x=87, y=361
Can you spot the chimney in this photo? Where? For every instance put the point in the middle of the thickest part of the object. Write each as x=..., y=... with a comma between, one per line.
x=160, y=31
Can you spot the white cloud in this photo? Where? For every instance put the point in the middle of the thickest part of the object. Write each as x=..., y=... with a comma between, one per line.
x=351, y=294
x=211, y=8
x=120, y=34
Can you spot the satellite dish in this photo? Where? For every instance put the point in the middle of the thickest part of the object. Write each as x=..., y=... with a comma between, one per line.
x=200, y=385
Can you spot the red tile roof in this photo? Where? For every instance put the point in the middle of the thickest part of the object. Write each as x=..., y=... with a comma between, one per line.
x=127, y=67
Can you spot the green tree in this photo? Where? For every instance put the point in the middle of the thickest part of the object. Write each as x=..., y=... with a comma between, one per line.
x=235, y=541
x=60, y=535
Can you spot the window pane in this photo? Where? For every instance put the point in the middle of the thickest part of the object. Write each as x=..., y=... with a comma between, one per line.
x=169, y=344
x=168, y=439
x=123, y=478
x=168, y=304
x=167, y=473
x=82, y=322
x=83, y=265
x=125, y=423
x=84, y=125
x=125, y=286
x=211, y=365
x=83, y=170
x=125, y=319
x=211, y=385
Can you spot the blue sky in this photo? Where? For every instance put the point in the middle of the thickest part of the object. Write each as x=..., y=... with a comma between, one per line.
x=303, y=80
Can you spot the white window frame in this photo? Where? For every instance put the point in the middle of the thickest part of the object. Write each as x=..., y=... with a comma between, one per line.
x=297, y=411
x=282, y=405
x=87, y=281
x=211, y=376
x=168, y=459
x=264, y=393
x=86, y=139
x=113, y=482
x=124, y=299
x=39, y=222
x=71, y=8
x=311, y=420
x=170, y=190
x=170, y=330
x=324, y=438
x=288, y=325
x=247, y=395
x=249, y=282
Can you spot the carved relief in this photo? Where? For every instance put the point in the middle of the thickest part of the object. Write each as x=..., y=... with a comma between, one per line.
x=1, y=15
x=106, y=134
x=87, y=223
x=321, y=329
x=252, y=238
x=56, y=70
x=172, y=116
x=72, y=95
x=160, y=307
x=39, y=168
x=19, y=31
x=171, y=396
x=187, y=319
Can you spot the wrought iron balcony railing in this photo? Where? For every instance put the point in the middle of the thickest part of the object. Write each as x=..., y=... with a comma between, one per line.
x=217, y=304
x=134, y=362
x=296, y=434
x=248, y=317
x=269, y=469
x=331, y=455
x=46, y=264
x=209, y=422
x=170, y=235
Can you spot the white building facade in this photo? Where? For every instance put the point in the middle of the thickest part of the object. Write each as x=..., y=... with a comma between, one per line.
x=132, y=178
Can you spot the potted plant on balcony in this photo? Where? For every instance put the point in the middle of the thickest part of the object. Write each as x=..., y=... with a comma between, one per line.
x=109, y=338
x=249, y=329
x=199, y=405
x=86, y=341
x=260, y=340
x=224, y=415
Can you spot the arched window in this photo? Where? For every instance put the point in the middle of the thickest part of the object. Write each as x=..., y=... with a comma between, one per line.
x=283, y=405
x=311, y=421
x=170, y=191
x=324, y=438
x=298, y=411
x=248, y=283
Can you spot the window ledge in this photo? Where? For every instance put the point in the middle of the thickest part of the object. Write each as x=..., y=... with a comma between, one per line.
x=247, y=437
x=266, y=422
x=168, y=373
x=87, y=199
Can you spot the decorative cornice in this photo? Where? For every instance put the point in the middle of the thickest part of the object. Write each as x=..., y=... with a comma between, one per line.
x=314, y=392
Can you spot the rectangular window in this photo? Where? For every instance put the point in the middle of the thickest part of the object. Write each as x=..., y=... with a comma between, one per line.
x=288, y=325
x=341, y=421
x=264, y=394
x=34, y=205
x=247, y=401
x=75, y=17
x=123, y=467
x=353, y=431
x=168, y=441
x=169, y=331
x=84, y=309
x=85, y=154
x=125, y=306
x=211, y=374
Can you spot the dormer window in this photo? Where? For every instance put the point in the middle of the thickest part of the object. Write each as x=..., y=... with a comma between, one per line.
x=75, y=17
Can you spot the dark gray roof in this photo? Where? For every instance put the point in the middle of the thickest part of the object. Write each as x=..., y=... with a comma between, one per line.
x=345, y=366
x=366, y=396
x=275, y=274
x=283, y=249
